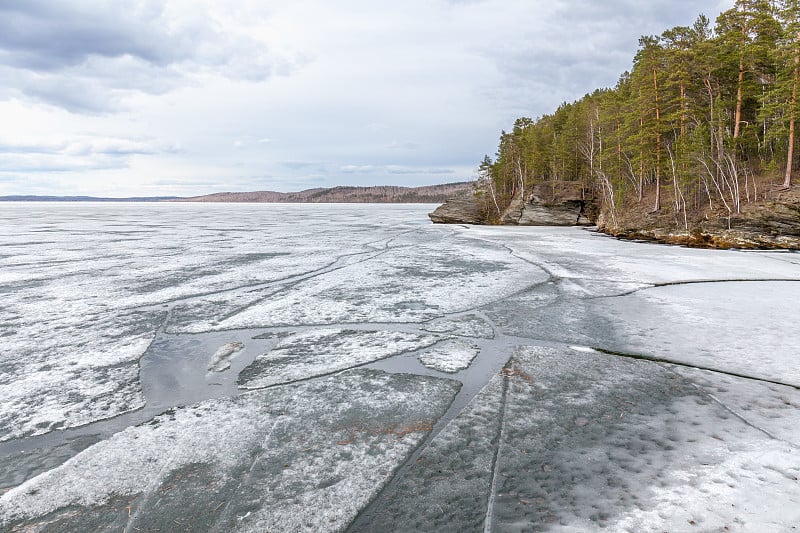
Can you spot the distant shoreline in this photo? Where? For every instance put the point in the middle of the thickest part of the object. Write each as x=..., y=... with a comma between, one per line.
x=34, y=198
x=430, y=194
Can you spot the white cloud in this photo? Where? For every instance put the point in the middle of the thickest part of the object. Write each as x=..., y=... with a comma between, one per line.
x=249, y=94
x=88, y=56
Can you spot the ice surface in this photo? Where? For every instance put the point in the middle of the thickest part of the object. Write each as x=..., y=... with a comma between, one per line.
x=412, y=280
x=327, y=350
x=566, y=438
x=740, y=327
x=594, y=443
x=449, y=356
x=773, y=409
x=578, y=254
x=304, y=457
x=49, y=379
x=86, y=288
x=676, y=303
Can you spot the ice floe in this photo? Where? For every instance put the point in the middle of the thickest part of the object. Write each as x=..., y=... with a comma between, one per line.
x=470, y=325
x=449, y=356
x=326, y=350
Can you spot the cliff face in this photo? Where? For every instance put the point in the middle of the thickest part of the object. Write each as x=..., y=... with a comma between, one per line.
x=552, y=204
x=460, y=210
x=547, y=204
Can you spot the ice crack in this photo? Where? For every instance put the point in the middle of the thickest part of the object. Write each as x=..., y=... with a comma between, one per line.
x=698, y=367
x=487, y=522
x=742, y=418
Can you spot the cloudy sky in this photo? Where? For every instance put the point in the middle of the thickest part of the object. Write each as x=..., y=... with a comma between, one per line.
x=186, y=97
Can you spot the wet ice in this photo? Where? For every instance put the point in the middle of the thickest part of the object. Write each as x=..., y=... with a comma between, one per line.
x=301, y=457
x=322, y=351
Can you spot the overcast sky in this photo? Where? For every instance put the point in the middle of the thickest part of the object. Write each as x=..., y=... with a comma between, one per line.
x=139, y=97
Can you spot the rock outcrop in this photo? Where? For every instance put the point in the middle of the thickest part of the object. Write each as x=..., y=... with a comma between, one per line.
x=772, y=222
x=547, y=204
x=557, y=204
x=459, y=210
x=767, y=224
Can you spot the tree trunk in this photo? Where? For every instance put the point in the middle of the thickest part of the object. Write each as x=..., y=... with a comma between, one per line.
x=738, y=117
x=683, y=110
x=710, y=113
x=657, y=206
x=641, y=152
x=619, y=148
x=739, y=84
x=787, y=181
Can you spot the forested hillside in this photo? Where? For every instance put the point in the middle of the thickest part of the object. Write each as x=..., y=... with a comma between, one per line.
x=701, y=127
x=378, y=194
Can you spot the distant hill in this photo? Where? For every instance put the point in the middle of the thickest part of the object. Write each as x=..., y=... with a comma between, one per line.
x=430, y=194
x=33, y=198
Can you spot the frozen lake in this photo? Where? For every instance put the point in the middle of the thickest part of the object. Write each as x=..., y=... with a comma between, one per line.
x=285, y=367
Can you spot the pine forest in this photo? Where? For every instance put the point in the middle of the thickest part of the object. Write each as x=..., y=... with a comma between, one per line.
x=701, y=126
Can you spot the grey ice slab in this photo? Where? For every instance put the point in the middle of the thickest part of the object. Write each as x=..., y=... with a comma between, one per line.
x=774, y=409
x=592, y=442
x=543, y=312
x=302, y=457
x=448, y=487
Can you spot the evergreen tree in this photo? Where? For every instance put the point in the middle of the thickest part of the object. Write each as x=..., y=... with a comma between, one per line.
x=699, y=122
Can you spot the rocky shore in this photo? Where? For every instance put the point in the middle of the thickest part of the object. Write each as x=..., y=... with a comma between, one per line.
x=770, y=223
